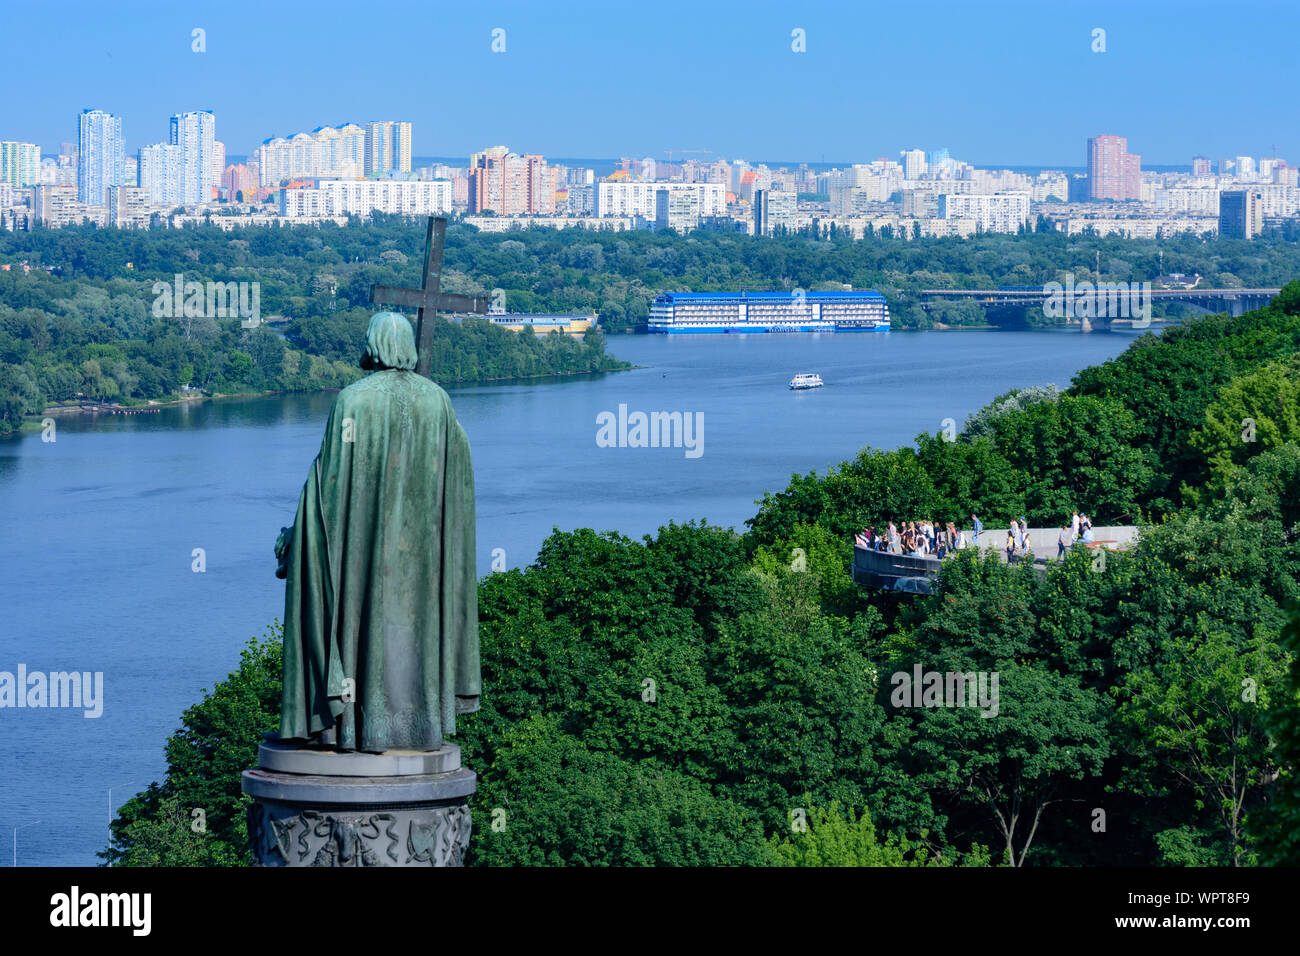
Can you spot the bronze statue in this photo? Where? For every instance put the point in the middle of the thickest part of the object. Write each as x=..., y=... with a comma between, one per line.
x=381, y=601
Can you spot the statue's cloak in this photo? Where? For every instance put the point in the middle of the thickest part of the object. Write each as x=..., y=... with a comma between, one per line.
x=381, y=601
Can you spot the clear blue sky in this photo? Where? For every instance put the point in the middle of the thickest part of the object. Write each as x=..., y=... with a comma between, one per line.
x=998, y=83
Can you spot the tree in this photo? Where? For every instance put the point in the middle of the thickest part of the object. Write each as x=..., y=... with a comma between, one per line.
x=1276, y=825
x=218, y=740
x=981, y=422
x=1252, y=413
x=1196, y=718
x=833, y=836
x=1080, y=454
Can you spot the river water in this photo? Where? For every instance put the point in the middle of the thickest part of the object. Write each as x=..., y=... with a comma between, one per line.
x=101, y=526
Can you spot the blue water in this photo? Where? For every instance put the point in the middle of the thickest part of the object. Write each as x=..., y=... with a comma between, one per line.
x=100, y=526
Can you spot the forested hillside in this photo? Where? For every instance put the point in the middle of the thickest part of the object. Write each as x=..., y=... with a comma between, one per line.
x=690, y=698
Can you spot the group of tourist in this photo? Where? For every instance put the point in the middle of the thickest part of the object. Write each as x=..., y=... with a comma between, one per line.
x=1079, y=529
x=925, y=538
x=933, y=539
x=1017, y=544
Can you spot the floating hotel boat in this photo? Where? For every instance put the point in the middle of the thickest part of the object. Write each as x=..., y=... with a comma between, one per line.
x=806, y=380
x=751, y=312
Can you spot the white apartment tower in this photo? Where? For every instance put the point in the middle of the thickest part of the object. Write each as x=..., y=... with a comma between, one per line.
x=99, y=157
x=913, y=163
x=158, y=173
x=388, y=147
x=195, y=134
x=20, y=164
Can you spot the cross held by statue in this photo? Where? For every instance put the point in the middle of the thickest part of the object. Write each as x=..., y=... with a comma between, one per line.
x=427, y=299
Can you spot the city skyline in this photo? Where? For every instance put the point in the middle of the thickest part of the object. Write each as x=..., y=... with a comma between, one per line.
x=597, y=81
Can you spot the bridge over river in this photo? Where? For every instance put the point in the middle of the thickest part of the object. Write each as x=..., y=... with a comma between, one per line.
x=1234, y=301
x=912, y=572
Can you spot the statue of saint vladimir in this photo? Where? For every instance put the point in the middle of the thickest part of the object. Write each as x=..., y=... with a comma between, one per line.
x=381, y=601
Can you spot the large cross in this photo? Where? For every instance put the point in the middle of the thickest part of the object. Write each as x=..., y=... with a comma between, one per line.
x=427, y=299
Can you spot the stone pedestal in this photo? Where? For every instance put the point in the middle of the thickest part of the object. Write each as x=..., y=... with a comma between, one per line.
x=320, y=807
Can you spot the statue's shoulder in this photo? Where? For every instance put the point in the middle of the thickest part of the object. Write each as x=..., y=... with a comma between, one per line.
x=425, y=388
x=392, y=384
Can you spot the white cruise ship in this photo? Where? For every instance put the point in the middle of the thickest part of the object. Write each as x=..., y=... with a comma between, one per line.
x=754, y=312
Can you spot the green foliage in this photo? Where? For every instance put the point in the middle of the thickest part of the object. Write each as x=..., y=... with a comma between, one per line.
x=1077, y=452
x=675, y=700
x=217, y=741
x=551, y=801
x=1276, y=825
x=831, y=836
x=1252, y=413
x=87, y=330
x=1195, y=718
x=1168, y=383
x=981, y=422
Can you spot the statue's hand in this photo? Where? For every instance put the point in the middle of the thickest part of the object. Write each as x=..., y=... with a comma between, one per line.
x=282, y=552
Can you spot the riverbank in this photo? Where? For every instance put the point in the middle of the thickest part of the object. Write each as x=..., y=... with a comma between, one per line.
x=35, y=423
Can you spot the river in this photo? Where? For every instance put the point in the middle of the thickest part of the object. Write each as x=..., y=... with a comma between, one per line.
x=101, y=526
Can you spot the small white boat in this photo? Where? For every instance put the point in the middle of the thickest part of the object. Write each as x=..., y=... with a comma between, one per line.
x=806, y=380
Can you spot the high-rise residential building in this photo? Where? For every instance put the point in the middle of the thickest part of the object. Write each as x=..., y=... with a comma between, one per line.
x=738, y=169
x=541, y=186
x=914, y=165
x=1200, y=166
x=936, y=157
x=1113, y=172
x=580, y=199
x=99, y=156
x=640, y=199
x=774, y=212
x=920, y=204
x=720, y=173
x=1227, y=165
x=363, y=197
x=475, y=159
x=218, y=161
x=327, y=152
x=239, y=182
x=991, y=213
x=20, y=164
x=508, y=184
x=1245, y=168
x=58, y=172
x=128, y=207
x=388, y=147
x=159, y=174
x=195, y=133
x=1240, y=213
x=677, y=209
x=58, y=206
